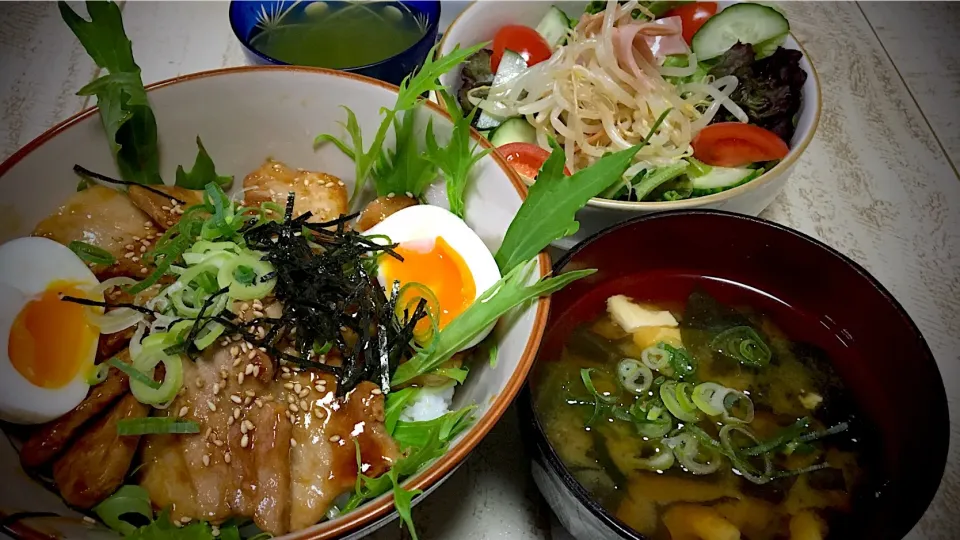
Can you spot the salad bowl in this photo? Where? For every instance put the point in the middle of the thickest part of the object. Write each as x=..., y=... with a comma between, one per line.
x=245, y=115
x=480, y=21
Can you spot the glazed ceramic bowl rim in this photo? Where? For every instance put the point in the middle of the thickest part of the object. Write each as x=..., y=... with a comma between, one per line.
x=432, y=28
x=376, y=509
x=765, y=178
x=583, y=496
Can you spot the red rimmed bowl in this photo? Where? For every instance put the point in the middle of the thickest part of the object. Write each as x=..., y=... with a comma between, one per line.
x=884, y=361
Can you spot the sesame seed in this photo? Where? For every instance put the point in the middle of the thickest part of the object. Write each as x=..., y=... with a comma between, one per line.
x=214, y=531
x=250, y=393
x=296, y=388
x=143, y=270
x=335, y=438
x=128, y=246
x=285, y=369
x=258, y=403
x=293, y=442
x=236, y=412
x=248, y=400
x=268, y=397
x=89, y=519
x=236, y=362
x=165, y=208
x=226, y=459
x=218, y=442
x=207, y=433
x=285, y=375
x=234, y=351
x=244, y=306
x=249, y=369
x=249, y=425
x=230, y=420
x=288, y=386
x=236, y=399
x=128, y=255
x=211, y=406
x=136, y=238
x=258, y=314
x=135, y=259
x=303, y=404
x=216, y=388
x=304, y=393
x=169, y=223
x=147, y=224
x=291, y=399
x=294, y=408
x=183, y=411
x=143, y=249
x=243, y=427
x=376, y=391
x=206, y=462
x=240, y=378
x=224, y=374
x=244, y=441
x=256, y=370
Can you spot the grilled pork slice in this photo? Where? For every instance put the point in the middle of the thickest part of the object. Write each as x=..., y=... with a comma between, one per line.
x=52, y=438
x=108, y=220
x=322, y=194
x=96, y=464
x=277, y=451
x=164, y=211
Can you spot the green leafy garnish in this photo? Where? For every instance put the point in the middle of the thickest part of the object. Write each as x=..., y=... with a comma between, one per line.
x=409, y=95
x=91, y=254
x=124, y=110
x=511, y=291
x=202, y=173
x=448, y=426
x=157, y=425
x=395, y=403
x=548, y=212
x=163, y=529
x=127, y=501
x=458, y=156
x=404, y=170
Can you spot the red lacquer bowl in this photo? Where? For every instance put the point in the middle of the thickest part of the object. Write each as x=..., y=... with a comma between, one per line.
x=813, y=293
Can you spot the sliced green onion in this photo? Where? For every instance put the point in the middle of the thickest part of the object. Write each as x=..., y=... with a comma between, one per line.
x=158, y=425
x=208, y=335
x=839, y=428
x=706, y=395
x=686, y=448
x=133, y=373
x=655, y=358
x=668, y=393
x=655, y=427
x=660, y=462
x=161, y=396
x=634, y=376
x=585, y=376
x=257, y=288
x=743, y=344
x=684, y=366
x=97, y=374
x=91, y=254
x=785, y=436
x=685, y=396
x=407, y=299
x=740, y=465
x=730, y=400
x=127, y=501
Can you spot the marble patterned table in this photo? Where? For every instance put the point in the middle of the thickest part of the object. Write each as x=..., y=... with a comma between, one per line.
x=879, y=183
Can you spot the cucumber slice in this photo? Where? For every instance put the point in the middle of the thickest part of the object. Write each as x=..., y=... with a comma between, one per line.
x=511, y=65
x=721, y=179
x=512, y=130
x=746, y=23
x=553, y=27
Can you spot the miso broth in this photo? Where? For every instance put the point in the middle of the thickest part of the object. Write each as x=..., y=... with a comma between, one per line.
x=340, y=35
x=716, y=427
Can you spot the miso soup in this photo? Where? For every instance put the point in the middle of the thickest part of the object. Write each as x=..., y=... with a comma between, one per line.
x=340, y=35
x=688, y=418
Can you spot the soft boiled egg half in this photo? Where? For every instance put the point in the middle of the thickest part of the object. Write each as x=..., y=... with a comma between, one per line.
x=48, y=345
x=440, y=253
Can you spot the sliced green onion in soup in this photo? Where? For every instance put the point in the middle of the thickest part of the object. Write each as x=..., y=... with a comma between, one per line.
x=655, y=358
x=740, y=464
x=687, y=449
x=635, y=377
x=737, y=407
x=708, y=397
x=686, y=411
x=743, y=344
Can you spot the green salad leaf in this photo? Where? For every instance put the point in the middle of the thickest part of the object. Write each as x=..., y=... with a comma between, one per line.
x=405, y=169
x=410, y=94
x=202, y=173
x=163, y=529
x=458, y=157
x=124, y=110
x=509, y=292
x=396, y=402
x=548, y=212
x=418, y=434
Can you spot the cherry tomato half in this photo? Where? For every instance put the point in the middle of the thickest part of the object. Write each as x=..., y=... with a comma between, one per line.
x=526, y=158
x=693, y=15
x=732, y=144
x=522, y=40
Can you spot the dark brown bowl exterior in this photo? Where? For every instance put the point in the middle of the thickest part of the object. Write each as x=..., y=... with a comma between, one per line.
x=892, y=376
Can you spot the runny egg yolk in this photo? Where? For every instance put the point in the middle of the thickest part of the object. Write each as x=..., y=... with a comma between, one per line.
x=438, y=267
x=50, y=338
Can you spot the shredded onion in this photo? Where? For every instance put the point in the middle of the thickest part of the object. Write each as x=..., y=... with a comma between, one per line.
x=115, y=320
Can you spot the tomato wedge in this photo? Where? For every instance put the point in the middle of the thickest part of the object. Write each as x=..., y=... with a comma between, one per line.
x=526, y=158
x=693, y=15
x=522, y=40
x=732, y=144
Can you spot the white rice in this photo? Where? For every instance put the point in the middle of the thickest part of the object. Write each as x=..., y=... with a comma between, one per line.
x=429, y=403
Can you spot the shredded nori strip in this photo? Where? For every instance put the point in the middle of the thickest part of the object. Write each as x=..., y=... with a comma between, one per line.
x=329, y=296
x=103, y=178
